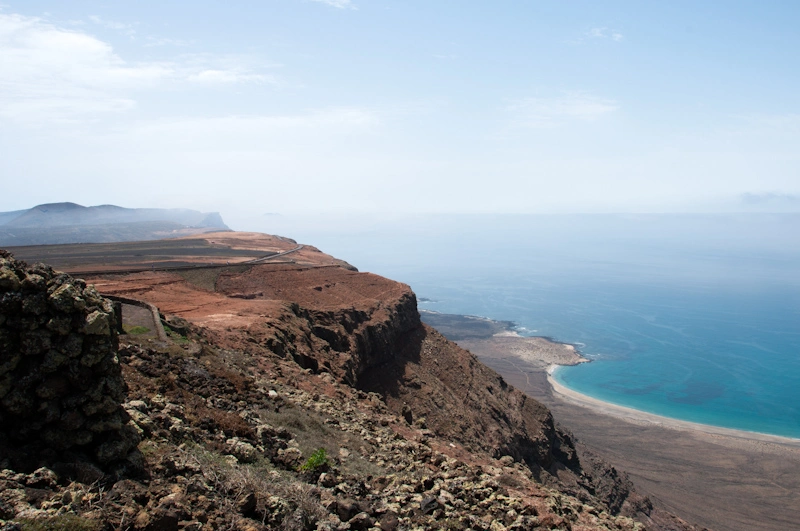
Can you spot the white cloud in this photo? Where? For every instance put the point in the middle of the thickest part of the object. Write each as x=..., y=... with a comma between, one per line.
x=239, y=132
x=226, y=77
x=126, y=29
x=605, y=33
x=53, y=74
x=58, y=74
x=246, y=159
x=165, y=41
x=340, y=4
x=548, y=112
x=210, y=69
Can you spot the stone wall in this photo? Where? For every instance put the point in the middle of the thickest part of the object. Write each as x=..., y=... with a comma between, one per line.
x=61, y=386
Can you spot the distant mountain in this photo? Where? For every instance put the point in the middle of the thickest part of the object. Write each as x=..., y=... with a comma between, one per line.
x=5, y=217
x=72, y=223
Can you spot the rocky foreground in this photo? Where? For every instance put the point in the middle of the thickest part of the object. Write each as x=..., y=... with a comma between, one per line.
x=286, y=397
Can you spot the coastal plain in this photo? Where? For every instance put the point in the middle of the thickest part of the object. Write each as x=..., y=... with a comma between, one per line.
x=716, y=477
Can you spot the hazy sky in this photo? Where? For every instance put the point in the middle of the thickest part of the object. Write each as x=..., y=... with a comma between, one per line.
x=250, y=107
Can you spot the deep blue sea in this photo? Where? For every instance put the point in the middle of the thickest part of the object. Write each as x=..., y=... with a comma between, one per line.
x=695, y=317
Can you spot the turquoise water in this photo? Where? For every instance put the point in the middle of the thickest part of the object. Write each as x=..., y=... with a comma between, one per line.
x=723, y=356
x=691, y=317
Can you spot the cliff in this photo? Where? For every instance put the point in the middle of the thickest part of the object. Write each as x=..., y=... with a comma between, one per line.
x=268, y=364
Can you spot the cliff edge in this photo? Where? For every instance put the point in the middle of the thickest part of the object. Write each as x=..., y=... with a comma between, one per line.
x=301, y=397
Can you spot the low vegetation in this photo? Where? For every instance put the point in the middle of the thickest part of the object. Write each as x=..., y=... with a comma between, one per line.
x=135, y=330
x=317, y=462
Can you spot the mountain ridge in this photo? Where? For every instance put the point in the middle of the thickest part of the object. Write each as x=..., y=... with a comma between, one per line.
x=66, y=222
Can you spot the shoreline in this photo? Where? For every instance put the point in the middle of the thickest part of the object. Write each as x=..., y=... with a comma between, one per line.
x=538, y=350
x=471, y=328
x=636, y=416
x=719, y=478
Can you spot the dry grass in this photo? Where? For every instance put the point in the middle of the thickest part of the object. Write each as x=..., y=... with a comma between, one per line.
x=212, y=419
x=312, y=433
x=281, y=502
x=307, y=427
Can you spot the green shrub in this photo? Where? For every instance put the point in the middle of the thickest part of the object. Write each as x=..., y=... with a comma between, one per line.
x=175, y=336
x=136, y=330
x=317, y=461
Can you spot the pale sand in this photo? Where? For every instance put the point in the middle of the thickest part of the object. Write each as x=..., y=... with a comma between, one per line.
x=537, y=351
x=724, y=479
x=544, y=354
x=636, y=416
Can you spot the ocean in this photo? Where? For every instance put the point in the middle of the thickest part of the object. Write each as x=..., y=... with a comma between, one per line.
x=695, y=317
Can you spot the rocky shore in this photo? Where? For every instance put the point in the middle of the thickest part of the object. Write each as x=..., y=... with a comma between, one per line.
x=724, y=479
x=498, y=340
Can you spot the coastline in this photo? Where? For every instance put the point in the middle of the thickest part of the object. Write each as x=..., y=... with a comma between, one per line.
x=636, y=416
x=717, y=478
x=498, y=341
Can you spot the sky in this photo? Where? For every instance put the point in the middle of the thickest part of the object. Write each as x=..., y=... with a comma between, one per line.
x=386, y=106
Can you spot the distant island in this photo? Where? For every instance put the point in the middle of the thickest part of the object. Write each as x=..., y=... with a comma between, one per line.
x=56, y=223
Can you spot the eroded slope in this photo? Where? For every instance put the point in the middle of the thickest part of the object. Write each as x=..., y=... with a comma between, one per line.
x=266, y=365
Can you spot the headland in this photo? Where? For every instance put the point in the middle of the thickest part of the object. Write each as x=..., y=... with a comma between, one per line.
x=285, y=391
x=264, y=333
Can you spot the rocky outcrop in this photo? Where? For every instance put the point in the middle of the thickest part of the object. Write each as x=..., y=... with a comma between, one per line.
x=410, y=431
x=352, y=342
x=373, y=340
x=217, y=430
x=61, y=386
x=334, y=320
x=436, y=385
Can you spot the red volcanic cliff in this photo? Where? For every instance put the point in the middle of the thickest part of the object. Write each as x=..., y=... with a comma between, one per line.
x=267, y=365
x=365, y=331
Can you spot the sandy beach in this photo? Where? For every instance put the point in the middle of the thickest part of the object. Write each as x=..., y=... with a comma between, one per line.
x=719, y=478
x=636, y=416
